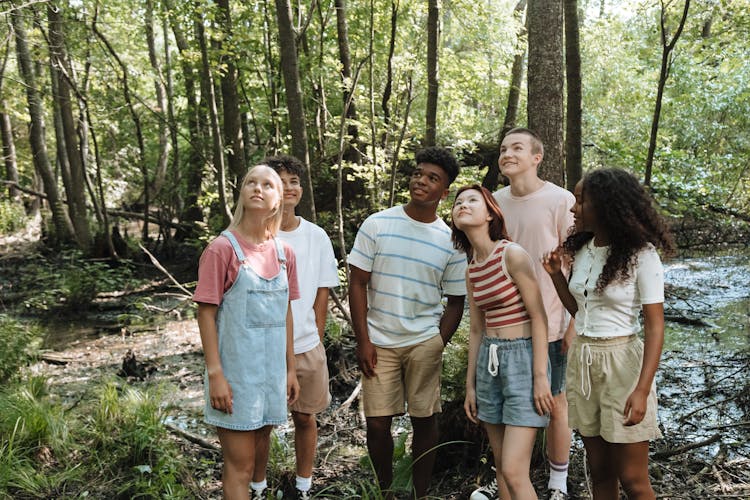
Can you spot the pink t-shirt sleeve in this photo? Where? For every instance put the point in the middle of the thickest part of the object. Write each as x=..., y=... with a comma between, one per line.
x=217, y=271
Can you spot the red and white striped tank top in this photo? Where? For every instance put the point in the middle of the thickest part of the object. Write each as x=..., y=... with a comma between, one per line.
x=494, y=291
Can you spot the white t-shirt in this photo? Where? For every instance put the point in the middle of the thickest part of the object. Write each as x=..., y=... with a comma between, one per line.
x=615, y=312
x=412, y=265
x=316, y=268
x=539, y=222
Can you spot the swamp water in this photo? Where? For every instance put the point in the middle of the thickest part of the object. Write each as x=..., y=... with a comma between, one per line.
x=703, y=380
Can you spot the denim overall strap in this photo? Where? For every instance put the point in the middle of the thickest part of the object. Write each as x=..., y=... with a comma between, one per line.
x=235, y=245
x=280, y=253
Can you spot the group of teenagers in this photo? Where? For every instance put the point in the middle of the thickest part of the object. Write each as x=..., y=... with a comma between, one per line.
x=556, y=285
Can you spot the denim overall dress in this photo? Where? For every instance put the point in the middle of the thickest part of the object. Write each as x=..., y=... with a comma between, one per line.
x=251, y=324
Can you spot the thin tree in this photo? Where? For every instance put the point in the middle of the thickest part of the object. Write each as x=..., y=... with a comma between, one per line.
x=666, y=64
x=6, y=135
x=545, y=84
x=229, y=96
x=433, y=41
x=207, y=83
x=65, y=125
x=491, y=178
x=160, y=175
x=63, y=231
x=294, y=103
x=573, y=150
x=192, y=211
x=134, y=116
x=347, y=84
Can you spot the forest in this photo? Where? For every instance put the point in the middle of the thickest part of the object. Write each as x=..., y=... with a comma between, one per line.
x=126, y=126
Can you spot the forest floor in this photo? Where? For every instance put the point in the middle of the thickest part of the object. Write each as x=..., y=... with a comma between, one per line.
x=169, y=356
x=173, y=355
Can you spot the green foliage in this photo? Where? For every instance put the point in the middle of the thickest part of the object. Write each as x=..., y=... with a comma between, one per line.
x=12, y=216
x=20, y=342
x=455, y=360
x=71, y=282
x=120, y=445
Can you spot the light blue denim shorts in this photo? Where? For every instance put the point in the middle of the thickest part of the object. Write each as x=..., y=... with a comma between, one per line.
x=505, y=390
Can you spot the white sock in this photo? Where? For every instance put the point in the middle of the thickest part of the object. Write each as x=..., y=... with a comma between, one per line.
x=260, y=486
x=304, y=483
x=558, y=477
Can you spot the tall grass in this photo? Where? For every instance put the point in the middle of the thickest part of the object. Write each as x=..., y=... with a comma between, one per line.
x=115, y=447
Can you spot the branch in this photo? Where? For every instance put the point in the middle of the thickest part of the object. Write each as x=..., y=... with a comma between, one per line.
x=161, y=268
x=683, y=449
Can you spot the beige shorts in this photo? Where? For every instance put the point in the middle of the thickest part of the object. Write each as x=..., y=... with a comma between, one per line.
x=408, y=375
x=312, y=375
x=601, y=374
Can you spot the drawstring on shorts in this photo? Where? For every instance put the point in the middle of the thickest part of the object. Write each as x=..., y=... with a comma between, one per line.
x=493, y=363
x=586, y=361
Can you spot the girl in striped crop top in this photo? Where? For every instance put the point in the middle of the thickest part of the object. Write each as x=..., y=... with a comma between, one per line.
x=507, y=378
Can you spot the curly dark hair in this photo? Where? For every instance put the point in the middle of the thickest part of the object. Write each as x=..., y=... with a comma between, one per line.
x=626, y=213
x=497, y=227
x=441, y=157
x=285, y=162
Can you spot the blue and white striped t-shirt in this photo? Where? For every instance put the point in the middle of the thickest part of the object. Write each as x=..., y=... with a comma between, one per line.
x=412, y=265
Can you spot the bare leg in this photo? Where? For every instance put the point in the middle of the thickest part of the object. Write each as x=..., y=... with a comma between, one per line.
x=632, y=469
x=262, y=449
x=496, y=435
x=600, y=455
x=423, y=452
x=558, y=432
x=518, y=444
x=238, y=450
x=380, y=447
x=305, y=442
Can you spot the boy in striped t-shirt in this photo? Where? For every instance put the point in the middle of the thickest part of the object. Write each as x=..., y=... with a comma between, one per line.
x=402, y=264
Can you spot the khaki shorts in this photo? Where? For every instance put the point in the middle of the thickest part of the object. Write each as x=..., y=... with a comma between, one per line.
x=408, y=375
x=601, y=374
x=312, y=375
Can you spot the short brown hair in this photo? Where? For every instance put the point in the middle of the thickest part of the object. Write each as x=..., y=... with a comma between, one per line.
x=537, y=146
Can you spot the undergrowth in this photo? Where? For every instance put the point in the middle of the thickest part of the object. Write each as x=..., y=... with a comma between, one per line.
x=114, y=446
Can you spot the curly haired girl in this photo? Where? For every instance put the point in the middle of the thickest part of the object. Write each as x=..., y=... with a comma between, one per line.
x=616, y=274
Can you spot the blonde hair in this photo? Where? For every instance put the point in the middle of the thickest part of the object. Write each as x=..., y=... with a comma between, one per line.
x=273, y=222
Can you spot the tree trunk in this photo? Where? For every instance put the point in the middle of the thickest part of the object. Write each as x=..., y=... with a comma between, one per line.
x=388, y=89
x=492, y=177
x=9, y=151
x=545, y=84
x=6, y=135
x=666, y=64
x=136, y=122
x=160, y=176
x=232, y=119
x=63, y=231
x=75, y=182
x=433, y=41
x=191, y=212
x=176, y=195
x=573, y=149
x=295, y=107
x=350, y=152
x=216, y=136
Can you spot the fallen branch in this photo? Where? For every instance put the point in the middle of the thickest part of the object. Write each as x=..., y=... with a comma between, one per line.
x=203, y=443
x=161, y=268
x=683, y=449
x=351, y=397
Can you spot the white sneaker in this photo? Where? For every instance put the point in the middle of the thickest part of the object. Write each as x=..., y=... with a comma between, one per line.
x=486, y=492
x=556, y=494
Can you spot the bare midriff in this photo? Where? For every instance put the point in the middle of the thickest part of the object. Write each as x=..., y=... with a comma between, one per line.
x=512, y=332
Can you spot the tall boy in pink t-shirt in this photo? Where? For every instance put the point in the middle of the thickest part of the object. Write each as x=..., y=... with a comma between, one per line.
x=537, y=217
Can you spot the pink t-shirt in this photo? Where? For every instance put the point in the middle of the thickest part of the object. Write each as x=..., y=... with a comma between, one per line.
x=539, y=222
x=219, y=267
